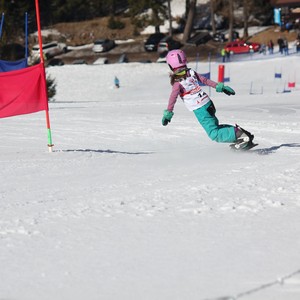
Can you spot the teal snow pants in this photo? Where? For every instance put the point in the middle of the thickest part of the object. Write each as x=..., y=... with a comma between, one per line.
x=206, y=116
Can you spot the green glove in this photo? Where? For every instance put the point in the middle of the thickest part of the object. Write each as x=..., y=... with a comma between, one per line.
x=167, y=117
x=225, y=89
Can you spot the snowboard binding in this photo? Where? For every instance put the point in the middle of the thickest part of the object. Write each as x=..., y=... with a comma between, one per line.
x=244, y=139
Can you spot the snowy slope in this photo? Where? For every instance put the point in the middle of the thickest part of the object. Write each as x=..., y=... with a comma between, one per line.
x=125, y=208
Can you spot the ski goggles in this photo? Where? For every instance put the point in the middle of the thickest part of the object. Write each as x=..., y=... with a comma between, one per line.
x=180, y=72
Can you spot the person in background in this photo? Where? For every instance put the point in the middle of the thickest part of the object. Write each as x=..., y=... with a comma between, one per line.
x=117, y=82
x=285, y=47
x=227, y=55
x=280, y=45
x=297, y=44
x=263, y=49
x=271, y=47
x=223, y=54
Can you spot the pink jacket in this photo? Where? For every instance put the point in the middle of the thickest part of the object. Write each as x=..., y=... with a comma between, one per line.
x=178, y=89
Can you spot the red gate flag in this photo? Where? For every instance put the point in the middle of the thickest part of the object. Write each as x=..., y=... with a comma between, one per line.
x=291, y=84
x=23, y=91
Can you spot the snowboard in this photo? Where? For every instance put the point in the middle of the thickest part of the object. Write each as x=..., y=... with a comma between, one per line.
x=249, y=146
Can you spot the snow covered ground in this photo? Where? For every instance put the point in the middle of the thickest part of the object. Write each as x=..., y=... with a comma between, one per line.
x=124, y=208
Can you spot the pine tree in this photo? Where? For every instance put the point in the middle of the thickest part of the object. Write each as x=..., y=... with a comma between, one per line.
x=51, y=87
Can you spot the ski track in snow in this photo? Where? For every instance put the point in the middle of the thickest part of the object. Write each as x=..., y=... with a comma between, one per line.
x=150, y=191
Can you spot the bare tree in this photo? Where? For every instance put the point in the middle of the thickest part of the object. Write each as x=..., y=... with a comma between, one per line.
x=170, y=18
x=231, y=20
x=246, y=16
x=189, y=21
x=155, y=19
x=212, y=16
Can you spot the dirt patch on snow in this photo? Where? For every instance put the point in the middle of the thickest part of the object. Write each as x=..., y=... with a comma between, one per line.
x=273, y=33
x=81, y=33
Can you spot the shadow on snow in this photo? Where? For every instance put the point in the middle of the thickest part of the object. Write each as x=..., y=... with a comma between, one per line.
x=104, y=151
x=273, y=149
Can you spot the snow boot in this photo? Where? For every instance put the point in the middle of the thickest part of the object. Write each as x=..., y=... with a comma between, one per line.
x=244, y=139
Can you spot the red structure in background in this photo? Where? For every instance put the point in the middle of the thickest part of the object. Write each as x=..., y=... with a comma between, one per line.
x=221, y=73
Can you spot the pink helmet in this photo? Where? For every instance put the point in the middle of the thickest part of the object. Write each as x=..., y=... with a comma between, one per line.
x=176, y=59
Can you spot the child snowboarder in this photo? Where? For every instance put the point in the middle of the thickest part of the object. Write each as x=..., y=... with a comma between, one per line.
x=186, y=84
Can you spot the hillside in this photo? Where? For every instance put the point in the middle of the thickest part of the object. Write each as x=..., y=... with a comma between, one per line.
x=125, y=208
x=130, y=40
x=80, y=33
x=131, y=43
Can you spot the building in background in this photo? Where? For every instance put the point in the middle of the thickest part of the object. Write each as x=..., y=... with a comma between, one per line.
x=287, y=13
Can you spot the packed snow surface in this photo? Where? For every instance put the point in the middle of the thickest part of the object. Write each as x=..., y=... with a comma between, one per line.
x=124, y=208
